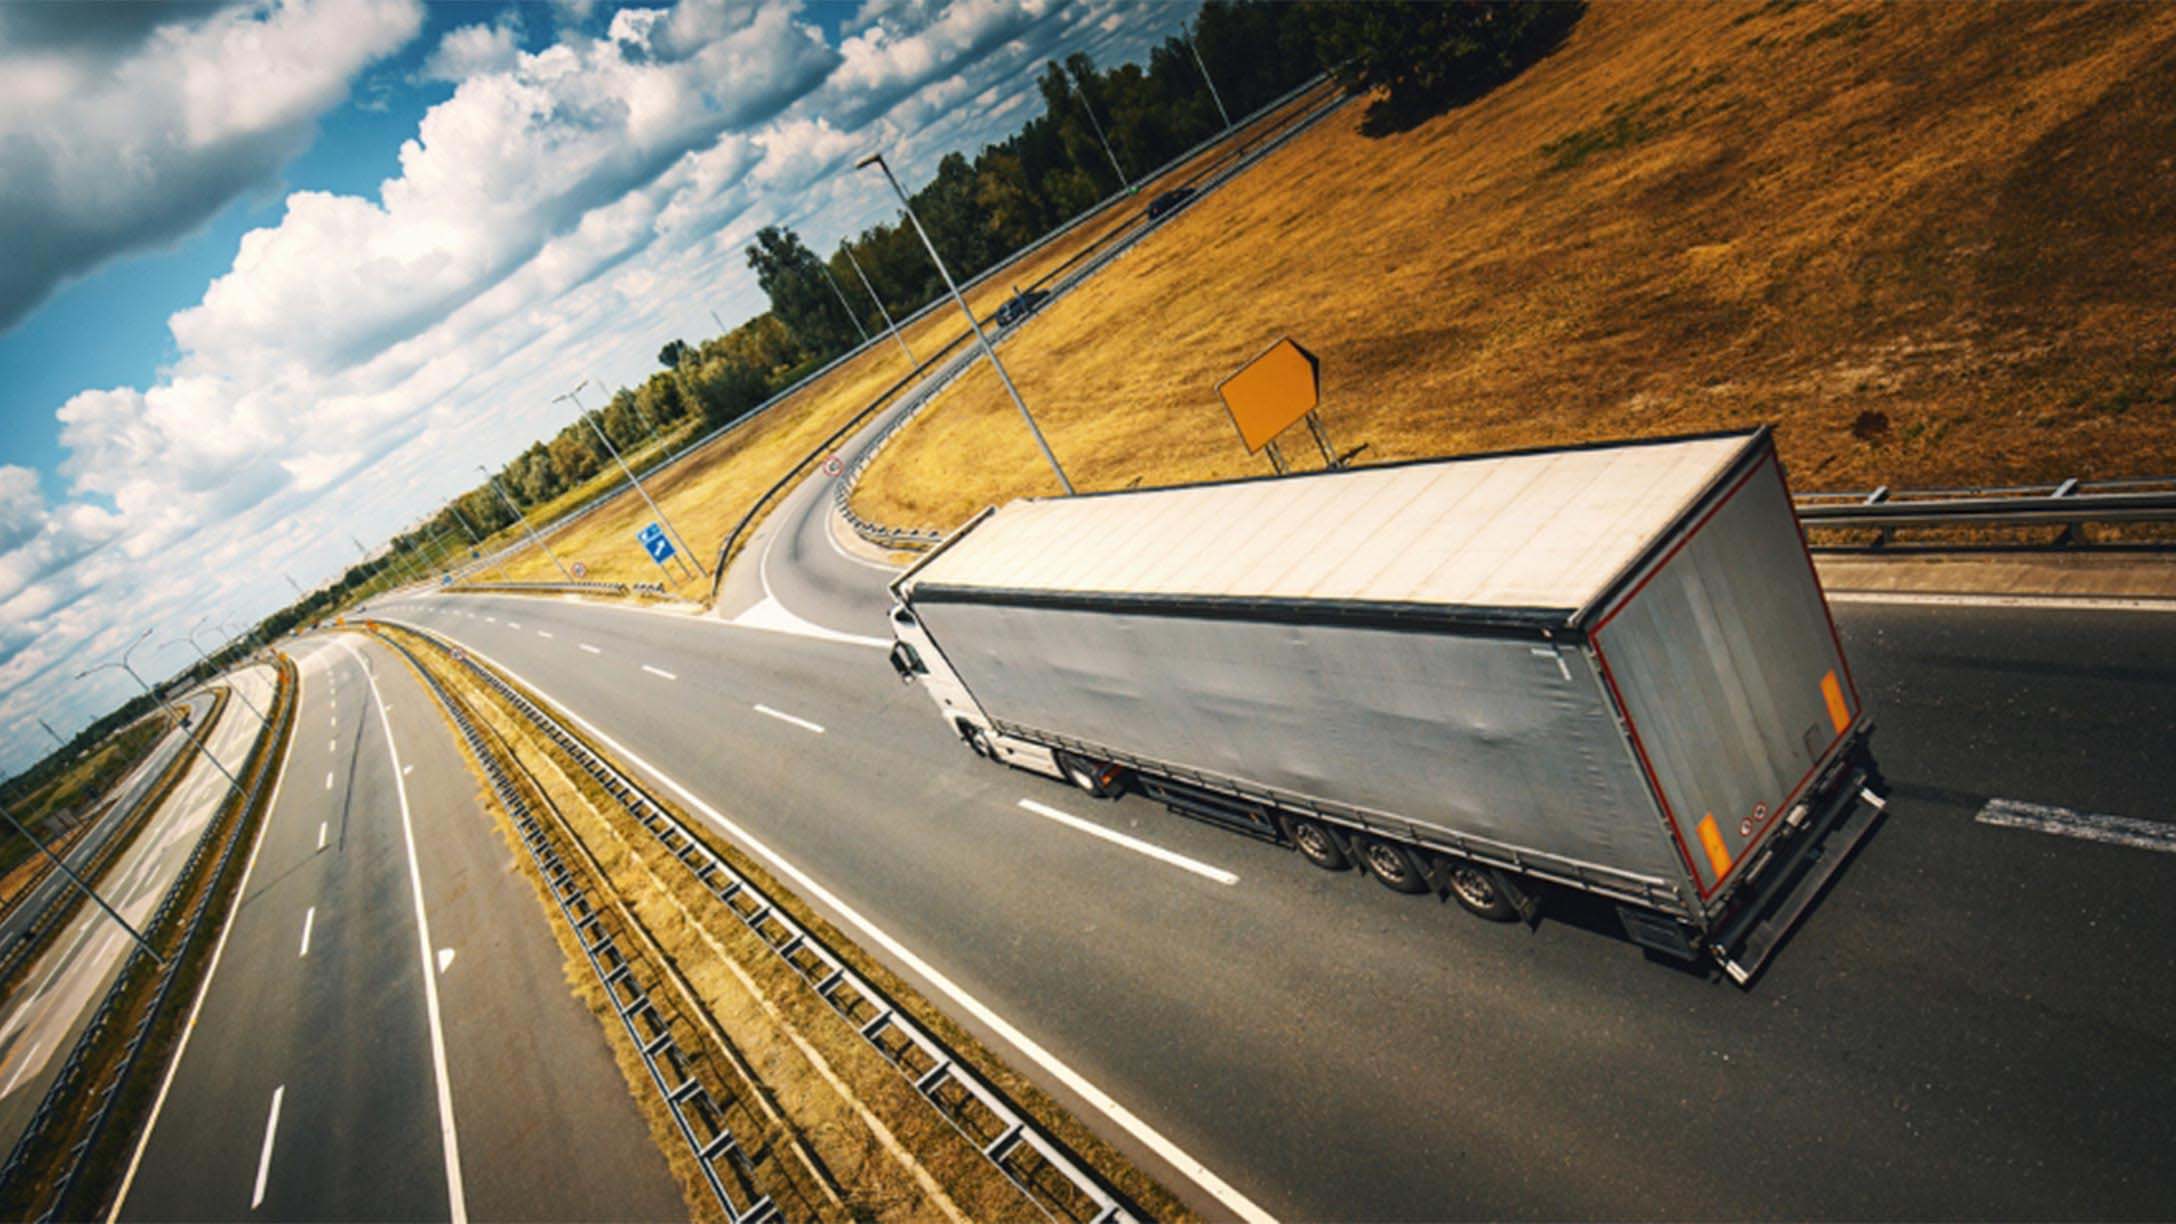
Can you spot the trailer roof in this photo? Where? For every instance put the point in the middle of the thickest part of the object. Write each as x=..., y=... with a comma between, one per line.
x=1539, y=532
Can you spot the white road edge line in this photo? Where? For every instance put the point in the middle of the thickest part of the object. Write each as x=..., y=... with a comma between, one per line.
x=2071, y=603
x=782, y=716
x=2085, y=826
x=29, y=1056
x=211, y=970
x=1093, y=829
x=456, y=1196
x=309, y=919
x=264, y=1158
x=1200, y=1174
x=659, y=671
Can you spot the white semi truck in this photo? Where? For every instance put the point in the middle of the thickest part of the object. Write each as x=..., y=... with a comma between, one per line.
x=1607, y=668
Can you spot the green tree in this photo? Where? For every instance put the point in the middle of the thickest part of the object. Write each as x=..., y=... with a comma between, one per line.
x=1426, y=55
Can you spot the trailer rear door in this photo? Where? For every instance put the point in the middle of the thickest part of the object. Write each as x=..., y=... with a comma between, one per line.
x=1730, y=672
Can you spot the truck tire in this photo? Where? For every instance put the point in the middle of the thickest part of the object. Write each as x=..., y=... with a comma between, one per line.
x=1097, y=780
x=978, y=741
x=1475, y=888
x=1392, y=865
x=1315, y=842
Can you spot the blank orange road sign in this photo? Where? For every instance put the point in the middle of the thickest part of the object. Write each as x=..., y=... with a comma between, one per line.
x=1272, y=391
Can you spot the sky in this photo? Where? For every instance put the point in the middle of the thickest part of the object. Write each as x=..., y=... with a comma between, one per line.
x=278, y=275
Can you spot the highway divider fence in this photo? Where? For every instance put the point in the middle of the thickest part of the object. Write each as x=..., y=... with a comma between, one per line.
x=45, y=1175
x=1027, y=1153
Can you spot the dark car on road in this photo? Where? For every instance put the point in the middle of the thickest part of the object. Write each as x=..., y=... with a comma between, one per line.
x=1017, y=307
x=1167, y=203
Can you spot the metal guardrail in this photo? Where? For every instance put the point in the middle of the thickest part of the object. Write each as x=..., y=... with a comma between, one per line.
x=261, y=763
x=699, y=1116
x=564, y=588
x=1006, y=1137
x=2068, y=504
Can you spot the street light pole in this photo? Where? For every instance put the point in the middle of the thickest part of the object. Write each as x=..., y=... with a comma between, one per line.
x=523, y=520
x=55, y=734
x=213, y=668
x=83, y=886
x=1195, y=47
x=475, y=541
x=843, y=303
x=1106, y=141
x=596, y=426
x=887, y=315
x=877, y=160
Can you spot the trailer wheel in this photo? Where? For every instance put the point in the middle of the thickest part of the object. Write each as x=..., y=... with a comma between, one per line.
x=1475, y=888
x=1097, y=780
x=978, y=740
x=1315, y=843
x=1392, y=866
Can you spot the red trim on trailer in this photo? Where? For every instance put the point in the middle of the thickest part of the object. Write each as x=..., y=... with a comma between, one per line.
x=1820, y=762
x=1686, y=538
x=1647, y=767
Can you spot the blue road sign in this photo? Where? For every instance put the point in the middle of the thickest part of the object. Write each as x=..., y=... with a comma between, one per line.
x=655, y=543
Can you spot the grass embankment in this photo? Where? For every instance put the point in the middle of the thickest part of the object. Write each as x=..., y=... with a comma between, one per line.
x=707, y=493
x=1931, y=243
x=58, y=810
x=888, y=1153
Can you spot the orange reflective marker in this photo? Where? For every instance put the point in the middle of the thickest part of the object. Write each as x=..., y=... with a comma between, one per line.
x=1711, y=840
x=1833, y=693
x=1271, y=392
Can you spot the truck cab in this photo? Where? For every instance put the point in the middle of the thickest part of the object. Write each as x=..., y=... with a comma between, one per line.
x=918, y=660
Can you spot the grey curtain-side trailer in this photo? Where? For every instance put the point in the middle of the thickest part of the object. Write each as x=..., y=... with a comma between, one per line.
x=1609, y=668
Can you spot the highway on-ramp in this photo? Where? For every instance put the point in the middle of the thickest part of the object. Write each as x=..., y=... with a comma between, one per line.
x=1971, y=1024
x=340, y=1066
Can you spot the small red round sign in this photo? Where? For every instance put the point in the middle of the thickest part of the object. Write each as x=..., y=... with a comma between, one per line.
x=581, y=570
x=833, y=467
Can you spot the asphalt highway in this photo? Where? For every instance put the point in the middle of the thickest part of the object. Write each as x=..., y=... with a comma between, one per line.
x=109, y=819
x=65, y=986
x=414, y=1078
x=1971, y=1024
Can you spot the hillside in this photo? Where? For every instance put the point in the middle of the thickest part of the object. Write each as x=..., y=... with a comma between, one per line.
x=1934, y=244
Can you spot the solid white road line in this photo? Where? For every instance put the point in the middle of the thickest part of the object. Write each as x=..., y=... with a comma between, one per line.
x=321, y=827
x=211, y=970
x=264, y=1158
x=456, y=1196
x=1238, y=1204
x=1093, y=829
x=2086, y=826
x=309, y=919
x=591, y=649
x=659, y=671
x=782, y=716
x=2067, y=603
x=30, y=1059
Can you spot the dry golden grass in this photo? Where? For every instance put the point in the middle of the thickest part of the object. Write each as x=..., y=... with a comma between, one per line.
x=707, y=493
x=1931, y=243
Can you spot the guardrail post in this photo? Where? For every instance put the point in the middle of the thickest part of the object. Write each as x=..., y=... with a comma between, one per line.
x=2069, y=535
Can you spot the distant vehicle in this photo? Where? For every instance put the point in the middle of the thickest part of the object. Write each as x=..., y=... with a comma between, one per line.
x=1019, y=306
x=1607, y=669
x=1167, y=203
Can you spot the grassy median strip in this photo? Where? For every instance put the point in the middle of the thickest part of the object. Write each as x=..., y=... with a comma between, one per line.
x=896, y=1151
x=69, y=1161
x=76, y=794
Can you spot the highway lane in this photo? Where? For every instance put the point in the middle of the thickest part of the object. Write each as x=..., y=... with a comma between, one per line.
x=68, y=982
x=110, y=819
x=320, y=996
x=1970, y=1025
